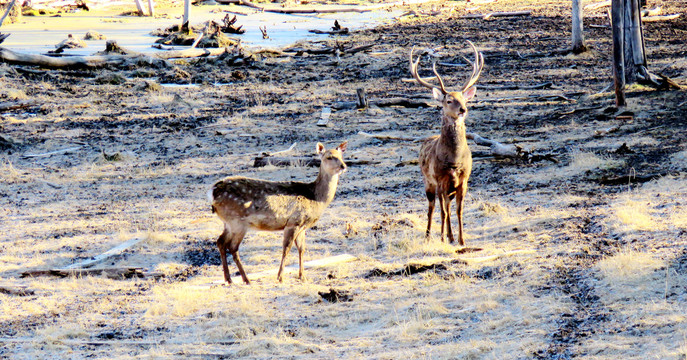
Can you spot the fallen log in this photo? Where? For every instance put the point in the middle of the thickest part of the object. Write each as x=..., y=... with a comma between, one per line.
x=94, y=61
x=261, y=161
x=657, y=18
x=442, y=265
x=404, y=102
x=497, y=149
x=16, y=290
x=343, y=31
x=324, y=51
x=112, y=273
x=629, y=179
x=189, y=53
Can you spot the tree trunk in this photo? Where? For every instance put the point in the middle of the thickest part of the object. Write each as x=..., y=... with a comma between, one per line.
x=187, y=12
x=617, y=20
x=151, y=8
x=578, y=45
x=139, y=6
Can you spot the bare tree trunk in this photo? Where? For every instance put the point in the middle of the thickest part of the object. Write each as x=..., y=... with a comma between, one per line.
x=617, y=19
x=187, y=12
x=139, y=6
x=151, y=8
x=578, y=45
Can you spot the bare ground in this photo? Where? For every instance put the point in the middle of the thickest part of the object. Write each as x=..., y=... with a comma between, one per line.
x=606, y=219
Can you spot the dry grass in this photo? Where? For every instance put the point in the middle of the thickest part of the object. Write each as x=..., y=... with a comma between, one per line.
x=61, y=209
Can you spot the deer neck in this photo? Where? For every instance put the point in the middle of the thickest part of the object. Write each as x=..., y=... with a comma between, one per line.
x=325, y=187
x=453, y=132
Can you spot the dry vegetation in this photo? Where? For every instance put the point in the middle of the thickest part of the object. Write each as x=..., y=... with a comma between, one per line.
x=607, y=281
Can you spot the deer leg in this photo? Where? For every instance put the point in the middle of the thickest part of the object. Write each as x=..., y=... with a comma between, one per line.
x=234, y=244
x=300, y=245
x=431, y=197
x=289, y=237
x=442, y=206
x=460, y=195
x=222, y=245
x=448, y=219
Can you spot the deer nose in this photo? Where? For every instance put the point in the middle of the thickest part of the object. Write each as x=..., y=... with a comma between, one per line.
x=463, y=110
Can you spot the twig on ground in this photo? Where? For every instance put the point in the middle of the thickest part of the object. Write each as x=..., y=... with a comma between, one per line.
x=61, y=151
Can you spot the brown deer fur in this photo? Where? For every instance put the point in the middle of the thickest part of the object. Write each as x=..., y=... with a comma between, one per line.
x=243, y=203
x=445, y=159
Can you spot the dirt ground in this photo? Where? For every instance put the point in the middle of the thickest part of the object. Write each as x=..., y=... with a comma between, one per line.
x=599, y=209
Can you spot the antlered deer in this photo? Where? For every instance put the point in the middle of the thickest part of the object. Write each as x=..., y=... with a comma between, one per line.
x=445, y=159
x=292, y=206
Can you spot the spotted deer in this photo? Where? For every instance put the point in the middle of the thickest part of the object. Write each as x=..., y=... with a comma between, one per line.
x=244, y=203
x=445, y=159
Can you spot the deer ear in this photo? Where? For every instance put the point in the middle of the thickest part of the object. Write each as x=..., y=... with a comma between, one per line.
x=469, y=93
x=342, y=146
x=437, y=94
x=319, y=149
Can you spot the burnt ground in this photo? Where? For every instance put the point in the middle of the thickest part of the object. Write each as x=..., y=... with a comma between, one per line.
x=175, y=141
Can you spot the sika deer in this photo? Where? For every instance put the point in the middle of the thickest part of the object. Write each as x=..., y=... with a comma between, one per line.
x=445, y=159
x=294, y=207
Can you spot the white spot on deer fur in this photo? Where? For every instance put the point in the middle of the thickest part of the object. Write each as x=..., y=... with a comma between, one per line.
x=210, y=196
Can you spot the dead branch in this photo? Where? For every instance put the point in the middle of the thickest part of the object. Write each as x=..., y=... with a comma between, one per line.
x=575, y=110
x=482, y=259
x=545, y=85
x=495, y=14
x=629, y=179
x=497, y=148
x=195, y=43
x=598, y=5
x=351, y=50
x=106, y=255
x=7, y=12
x=389, y=137
x=404, y=102
x=653, y=11
x=262, y=161
x=11, y=105
x=657, y=18
x=61, y=151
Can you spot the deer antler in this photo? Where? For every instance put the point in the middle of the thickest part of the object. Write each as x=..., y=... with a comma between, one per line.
x=413, y=70
x=477, y=66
